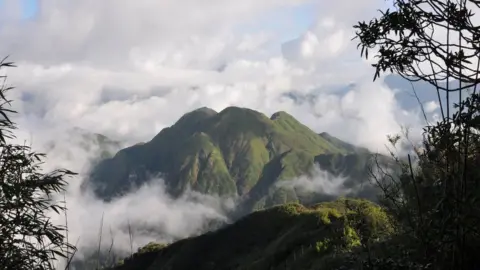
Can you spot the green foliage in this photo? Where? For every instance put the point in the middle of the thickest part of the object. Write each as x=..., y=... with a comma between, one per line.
x=434, y=201
x=28, y=238
x=322, y=246
x=289, y=236
x=351, y=237
x=326, y=213
x=402, y=39
x=151, y=247
x=293, y=209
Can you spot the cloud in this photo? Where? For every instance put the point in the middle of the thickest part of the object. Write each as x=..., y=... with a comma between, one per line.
x=132, y=70
x=111, y=32
x=152, y=213
x=319, y=182
x=431, y=106
x=320, y=185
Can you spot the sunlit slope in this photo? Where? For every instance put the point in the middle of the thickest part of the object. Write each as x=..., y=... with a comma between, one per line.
x=234, y=152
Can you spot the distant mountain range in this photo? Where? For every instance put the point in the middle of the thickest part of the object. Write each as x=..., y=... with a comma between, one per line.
x=77, y=141
x=240, y=153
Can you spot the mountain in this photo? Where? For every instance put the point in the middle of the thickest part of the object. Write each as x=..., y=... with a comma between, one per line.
x=101, y=146
x=291, y=236
x=73, y=142
x=235, y=152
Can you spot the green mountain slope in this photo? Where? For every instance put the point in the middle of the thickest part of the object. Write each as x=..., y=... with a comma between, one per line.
x=285, y=237
x=236, y=152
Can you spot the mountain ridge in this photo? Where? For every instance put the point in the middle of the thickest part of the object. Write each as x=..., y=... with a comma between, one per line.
x=234, y=152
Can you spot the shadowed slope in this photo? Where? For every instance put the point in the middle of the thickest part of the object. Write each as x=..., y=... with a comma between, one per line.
x=217, y=153
x=285, y=237
x=236, y=152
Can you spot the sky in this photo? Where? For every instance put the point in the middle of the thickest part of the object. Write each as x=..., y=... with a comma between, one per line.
x=29, y=8
x=292, y=20
x=128, y=69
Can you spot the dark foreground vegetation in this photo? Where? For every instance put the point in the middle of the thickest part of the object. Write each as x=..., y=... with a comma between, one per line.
x=28, y=238
x=290, y=236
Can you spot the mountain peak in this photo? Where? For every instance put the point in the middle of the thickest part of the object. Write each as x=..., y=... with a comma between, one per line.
x=230, y=152
x=202, y=111
x=234, y=110
x=205, y=110
x=280, y=114
x=196, y=116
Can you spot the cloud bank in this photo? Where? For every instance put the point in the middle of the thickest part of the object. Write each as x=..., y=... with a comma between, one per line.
x=151, y=213
x=129, y=71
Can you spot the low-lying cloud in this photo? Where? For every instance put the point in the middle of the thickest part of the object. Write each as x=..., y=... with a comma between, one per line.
x=320, y=185
x=150, y=212
x=318, y=181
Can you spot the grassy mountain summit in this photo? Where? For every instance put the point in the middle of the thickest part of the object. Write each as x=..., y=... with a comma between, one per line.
x=235, y=152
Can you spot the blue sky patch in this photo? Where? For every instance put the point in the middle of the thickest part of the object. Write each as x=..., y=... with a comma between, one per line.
x=29, y=8
x=287, y=22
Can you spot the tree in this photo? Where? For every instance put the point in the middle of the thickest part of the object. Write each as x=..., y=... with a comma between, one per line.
x=28, y=238
x=435, y=41
x=436, y=200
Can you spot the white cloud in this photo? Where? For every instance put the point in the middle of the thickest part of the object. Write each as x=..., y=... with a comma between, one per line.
x=151, y=207
x=152, y=214
x=107, y=32
x=431, y=106
x=131, y=70
x=320, y=181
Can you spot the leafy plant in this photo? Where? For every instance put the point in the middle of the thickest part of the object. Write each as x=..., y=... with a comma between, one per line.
x=435, y=200
x=28, y=238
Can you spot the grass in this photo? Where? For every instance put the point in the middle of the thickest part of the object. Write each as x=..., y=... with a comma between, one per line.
x=291, y=236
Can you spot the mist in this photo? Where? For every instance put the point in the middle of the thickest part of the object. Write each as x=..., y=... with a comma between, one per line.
x=128, y=222
x=319, y=181
x=149, y=214
x=320, y=185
